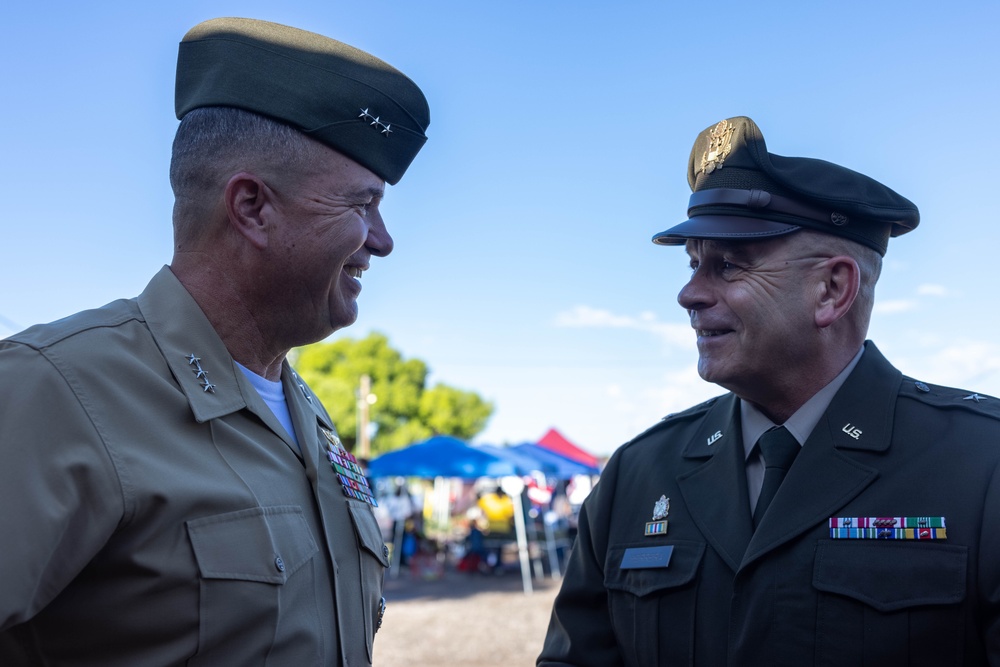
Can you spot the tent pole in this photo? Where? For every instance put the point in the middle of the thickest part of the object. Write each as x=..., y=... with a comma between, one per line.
x=522, y=539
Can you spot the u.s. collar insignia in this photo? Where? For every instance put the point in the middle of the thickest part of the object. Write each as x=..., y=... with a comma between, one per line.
x=719, y=145
x=658, y=526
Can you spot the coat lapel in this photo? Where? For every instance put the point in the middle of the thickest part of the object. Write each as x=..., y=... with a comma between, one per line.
x=304, y=418
x=824, y=476
x=715, y=493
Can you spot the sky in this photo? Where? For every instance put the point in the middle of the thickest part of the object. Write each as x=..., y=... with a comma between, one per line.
x=558, y=145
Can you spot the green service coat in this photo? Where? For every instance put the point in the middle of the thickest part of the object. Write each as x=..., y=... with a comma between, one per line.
x=148, y=521
x=788, y=594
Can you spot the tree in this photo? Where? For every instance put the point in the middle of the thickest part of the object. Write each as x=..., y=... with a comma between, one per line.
x=405, y=410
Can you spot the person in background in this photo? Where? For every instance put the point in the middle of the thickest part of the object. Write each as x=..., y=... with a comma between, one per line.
x=171, y=492
x=828, y=510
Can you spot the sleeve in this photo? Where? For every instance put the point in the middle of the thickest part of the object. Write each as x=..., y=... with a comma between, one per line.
x=60, y=498
x=989, y=570
x=580, y=631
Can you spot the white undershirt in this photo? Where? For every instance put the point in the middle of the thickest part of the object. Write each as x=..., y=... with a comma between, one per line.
x=273, y=394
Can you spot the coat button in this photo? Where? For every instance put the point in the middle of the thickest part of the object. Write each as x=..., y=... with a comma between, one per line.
x=921, y=387
x=385, y=551
x=280, y=564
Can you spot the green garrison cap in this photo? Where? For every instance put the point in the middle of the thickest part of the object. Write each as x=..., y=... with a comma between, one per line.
x=332, y=92
x=743, y=192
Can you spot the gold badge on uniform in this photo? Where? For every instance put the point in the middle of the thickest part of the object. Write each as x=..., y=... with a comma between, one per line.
x=658, y=526
x=719, y=145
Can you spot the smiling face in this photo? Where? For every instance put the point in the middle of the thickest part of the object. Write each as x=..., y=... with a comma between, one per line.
x=753, y=305
x=326, y=228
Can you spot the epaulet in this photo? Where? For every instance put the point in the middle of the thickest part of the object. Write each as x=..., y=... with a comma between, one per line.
x=950, y=398
x=674, y=417
x=41, y=336
x=695, y=411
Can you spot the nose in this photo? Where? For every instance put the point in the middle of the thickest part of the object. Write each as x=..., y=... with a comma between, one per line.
x=695, y=295
x=379, y=241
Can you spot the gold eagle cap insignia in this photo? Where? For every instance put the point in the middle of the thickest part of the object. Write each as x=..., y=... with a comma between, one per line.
x=720, y=144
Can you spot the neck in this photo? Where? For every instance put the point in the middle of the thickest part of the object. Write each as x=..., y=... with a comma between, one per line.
x=784, y=400
x=221, y=296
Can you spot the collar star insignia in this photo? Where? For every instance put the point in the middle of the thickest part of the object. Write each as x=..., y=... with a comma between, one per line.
x=200, y=373
x=975, y=397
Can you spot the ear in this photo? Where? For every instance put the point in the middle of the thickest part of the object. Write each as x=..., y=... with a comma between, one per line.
x=248, y=203
x=838, y=289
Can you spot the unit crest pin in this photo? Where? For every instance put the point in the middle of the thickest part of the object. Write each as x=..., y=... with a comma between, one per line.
x=658, y=526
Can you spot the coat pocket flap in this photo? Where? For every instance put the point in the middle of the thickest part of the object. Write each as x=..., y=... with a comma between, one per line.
x=683, y=565
x=892, y=575
x=369, y=534
x=266, y=544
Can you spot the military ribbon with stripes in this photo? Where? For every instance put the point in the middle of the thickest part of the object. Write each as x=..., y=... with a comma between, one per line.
x=345, y=465
x=888, y=528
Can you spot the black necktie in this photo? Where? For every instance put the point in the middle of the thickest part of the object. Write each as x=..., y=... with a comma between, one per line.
x=779, y=448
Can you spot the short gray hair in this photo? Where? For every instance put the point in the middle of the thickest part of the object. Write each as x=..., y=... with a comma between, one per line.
x=213, y=143
x=869, y=262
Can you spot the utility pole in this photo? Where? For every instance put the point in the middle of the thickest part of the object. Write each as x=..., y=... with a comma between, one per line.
x=365, y=399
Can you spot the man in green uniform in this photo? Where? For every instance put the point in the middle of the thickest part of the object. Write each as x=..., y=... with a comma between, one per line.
x=170, y=491
x=828, y=510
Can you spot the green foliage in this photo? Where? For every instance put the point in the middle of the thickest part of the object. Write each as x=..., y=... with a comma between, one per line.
x=405, y=410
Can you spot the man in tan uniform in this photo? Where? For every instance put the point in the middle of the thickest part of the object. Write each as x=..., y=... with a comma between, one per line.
x=170, y=491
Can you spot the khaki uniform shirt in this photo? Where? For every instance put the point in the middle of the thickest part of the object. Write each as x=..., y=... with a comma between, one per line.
x=149, y=519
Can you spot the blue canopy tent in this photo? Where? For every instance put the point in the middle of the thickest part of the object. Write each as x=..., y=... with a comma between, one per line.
x=523, y=461
x=442, y=456
x=561, y=466
x=445, y=456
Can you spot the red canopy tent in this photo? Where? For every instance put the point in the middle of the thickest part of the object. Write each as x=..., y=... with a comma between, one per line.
x=554, y=441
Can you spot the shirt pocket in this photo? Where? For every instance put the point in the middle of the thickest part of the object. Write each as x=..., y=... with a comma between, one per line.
x=249, y=563
x=889, y=603
x=642, y=602
x=373, y=555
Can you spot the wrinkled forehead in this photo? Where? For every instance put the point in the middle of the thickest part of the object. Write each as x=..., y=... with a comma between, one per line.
x=737, y=247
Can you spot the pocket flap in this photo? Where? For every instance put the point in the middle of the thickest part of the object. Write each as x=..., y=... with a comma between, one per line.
x=266, y=544
x=891, y=575
x=369, y=534
x=683, y=566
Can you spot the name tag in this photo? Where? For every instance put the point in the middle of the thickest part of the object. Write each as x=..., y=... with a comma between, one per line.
x=646, y=557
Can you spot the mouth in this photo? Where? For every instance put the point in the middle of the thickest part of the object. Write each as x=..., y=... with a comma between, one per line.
x=354, y=271
x=710, y=333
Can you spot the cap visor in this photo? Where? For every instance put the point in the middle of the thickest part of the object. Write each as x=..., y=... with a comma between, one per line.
x=723, y=227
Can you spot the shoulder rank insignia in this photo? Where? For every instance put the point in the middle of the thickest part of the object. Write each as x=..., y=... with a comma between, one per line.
x=345, y=465
x=888, y=528
x=658, y=526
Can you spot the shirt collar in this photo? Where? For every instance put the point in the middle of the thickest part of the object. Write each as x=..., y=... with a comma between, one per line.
x=803, y=421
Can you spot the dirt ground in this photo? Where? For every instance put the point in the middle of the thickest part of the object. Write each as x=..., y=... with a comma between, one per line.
x=469, y=619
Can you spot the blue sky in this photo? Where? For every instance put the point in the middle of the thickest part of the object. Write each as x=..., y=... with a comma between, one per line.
x=559, y=139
